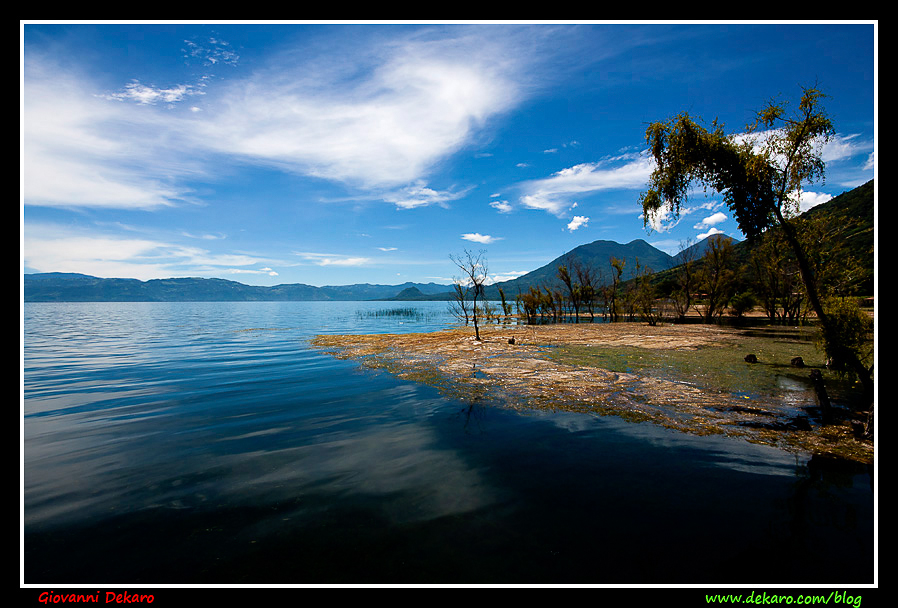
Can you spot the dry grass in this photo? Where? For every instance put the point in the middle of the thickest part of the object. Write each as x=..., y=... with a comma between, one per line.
x=527, y=374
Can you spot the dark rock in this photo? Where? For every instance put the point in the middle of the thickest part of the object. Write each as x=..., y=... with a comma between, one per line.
x=801, y=424
x=751, y=359
x=797, y=362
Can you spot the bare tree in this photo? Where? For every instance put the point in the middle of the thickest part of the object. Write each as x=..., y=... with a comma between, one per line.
x=589, y=282
x=474, y=275
x=574, y=289
x=717, y=276
x=646, y=294
x=617, y=272
x=459, y=304
x=685, y=279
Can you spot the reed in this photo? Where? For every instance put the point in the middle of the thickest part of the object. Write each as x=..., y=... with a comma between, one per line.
x=408, y=312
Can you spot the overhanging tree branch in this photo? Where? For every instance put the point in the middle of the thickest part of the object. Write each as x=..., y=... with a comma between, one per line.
x=759, y=173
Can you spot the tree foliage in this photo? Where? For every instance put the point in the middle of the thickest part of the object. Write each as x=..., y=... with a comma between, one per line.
x=755, y=171
x=760, y=174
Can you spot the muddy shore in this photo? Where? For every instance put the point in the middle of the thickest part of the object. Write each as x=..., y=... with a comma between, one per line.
x=692, y=378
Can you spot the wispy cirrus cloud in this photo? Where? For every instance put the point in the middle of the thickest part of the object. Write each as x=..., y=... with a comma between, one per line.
x=81, y=149
x=376, y=120
x=420, y=195
x=210, y=51
x=556, y=194
x=54, y=248
x=266, y=271
x=332, y=259
x=406, y=107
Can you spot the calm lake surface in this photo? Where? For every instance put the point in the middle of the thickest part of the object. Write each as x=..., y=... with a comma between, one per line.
x=209, y=443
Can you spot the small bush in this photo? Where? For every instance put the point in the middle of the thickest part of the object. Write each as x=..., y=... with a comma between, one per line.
x=741, y=303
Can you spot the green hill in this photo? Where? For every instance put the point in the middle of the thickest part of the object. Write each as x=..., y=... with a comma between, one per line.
x=847, y=225
x=596, y=255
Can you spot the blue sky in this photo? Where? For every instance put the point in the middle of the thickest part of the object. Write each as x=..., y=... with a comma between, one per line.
x=339, y=153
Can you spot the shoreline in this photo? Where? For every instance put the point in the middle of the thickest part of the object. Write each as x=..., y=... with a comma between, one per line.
x=554, y=367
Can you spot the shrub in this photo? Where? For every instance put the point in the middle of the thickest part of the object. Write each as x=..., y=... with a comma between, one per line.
x=850, y=330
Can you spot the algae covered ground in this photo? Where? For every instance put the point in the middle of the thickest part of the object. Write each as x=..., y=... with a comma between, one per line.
x=689, y=377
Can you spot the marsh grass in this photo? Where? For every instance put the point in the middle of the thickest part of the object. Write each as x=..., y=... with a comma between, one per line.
x=719, y=367
x=405, y=313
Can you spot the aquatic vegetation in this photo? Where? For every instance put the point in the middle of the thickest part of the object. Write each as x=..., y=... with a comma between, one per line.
x=692, y=378
x=407, y=312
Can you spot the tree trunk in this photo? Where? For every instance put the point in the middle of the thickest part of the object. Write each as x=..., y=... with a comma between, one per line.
x=810, y=282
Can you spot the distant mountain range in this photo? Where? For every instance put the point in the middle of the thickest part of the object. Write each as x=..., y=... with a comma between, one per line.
x=70, y=287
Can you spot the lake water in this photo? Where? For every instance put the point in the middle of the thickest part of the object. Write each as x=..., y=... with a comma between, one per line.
x=209, y=443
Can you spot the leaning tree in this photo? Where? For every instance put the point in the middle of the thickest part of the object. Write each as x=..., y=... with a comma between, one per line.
x=760, y=174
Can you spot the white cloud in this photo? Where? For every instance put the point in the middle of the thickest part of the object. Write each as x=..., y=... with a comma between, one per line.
x=371, y=114
x=871, y=161
x=49, y=248
x=505, y=276
x=81, y=150
x=709, y=233
x=807, y=200
x=204, y=237
x=578, y=222
x=409, y=105
x=501, y=206
x=545, y=202
x=711, y=220
x=555, y=193
x=480, y=238
x=420, y=195
x=211, y=52
x=663, y=219
x=265, y=271
x=143, y=94
x=333, y=259
x=844, y=146
x=839, y=147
